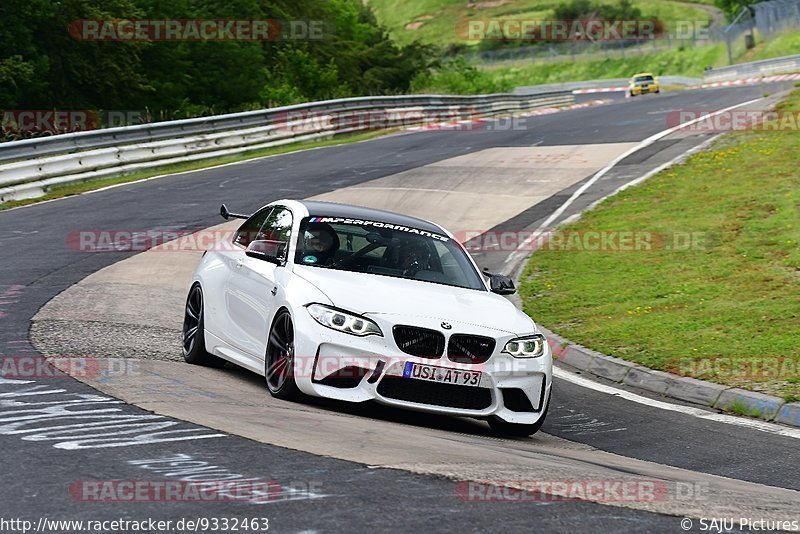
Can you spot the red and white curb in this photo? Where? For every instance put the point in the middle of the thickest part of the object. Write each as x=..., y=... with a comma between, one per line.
x=551, y=110
x=749, y=81
x=599, y=90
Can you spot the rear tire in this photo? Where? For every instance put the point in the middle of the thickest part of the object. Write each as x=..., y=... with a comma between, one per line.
x=279, y=360
x=504, y=428
x=193, y=333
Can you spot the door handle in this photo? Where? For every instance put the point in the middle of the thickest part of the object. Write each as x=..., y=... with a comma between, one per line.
x=274, y=291
x=239, y=263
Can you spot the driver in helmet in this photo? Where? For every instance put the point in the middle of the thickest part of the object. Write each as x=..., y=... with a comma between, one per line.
x=415, y=257
x=320, y=244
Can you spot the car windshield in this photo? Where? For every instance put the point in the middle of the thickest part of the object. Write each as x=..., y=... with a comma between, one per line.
x=385, y=249
x=643, y=79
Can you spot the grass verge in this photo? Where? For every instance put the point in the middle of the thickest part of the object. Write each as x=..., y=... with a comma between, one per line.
x=434, y=21
x=680, y=61
x=91, y=185
x=784, y=44
x=721, y=304
x=457, y=77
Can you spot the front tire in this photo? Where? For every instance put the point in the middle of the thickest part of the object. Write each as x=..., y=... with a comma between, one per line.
x=193, y=333
x=279, y=361
x=504, y=428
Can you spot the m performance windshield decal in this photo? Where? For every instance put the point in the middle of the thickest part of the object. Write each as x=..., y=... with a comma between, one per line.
x=378, y=224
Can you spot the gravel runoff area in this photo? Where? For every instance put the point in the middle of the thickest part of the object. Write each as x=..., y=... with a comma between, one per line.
x=99, y=339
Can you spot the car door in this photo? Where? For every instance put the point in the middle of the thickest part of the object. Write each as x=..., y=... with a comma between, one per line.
x=225, y=257
x=251, y=288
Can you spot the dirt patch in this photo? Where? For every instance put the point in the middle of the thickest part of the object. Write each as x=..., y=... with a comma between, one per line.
x=487, y=4
x=418, y=23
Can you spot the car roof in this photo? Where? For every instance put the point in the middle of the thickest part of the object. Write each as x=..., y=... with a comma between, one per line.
x=333, y=209
x=642, y=74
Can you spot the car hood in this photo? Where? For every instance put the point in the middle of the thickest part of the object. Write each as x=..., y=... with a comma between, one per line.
x=376, y=294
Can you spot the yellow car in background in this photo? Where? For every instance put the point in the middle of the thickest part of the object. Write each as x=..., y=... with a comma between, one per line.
x=642, y=84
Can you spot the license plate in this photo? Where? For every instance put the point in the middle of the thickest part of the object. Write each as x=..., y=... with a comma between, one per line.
x=431, y=373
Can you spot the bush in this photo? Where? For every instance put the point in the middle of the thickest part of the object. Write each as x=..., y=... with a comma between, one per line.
x=458, y=77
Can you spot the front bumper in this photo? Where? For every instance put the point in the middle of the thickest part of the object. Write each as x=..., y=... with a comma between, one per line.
x=340, y=366
x=643, y=89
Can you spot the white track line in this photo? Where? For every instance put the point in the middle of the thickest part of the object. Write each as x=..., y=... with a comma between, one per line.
x=677, y=159
x=753, y=424
x=649, y=174
x=524, y=247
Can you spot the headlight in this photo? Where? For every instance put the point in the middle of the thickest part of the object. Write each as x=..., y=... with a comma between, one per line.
x=526, y=347
x=343, y=321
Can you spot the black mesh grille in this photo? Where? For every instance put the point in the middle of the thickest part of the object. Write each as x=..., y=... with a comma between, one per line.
x=423, y=392
x=470, y=349
x=516, y=400
x=419, y=341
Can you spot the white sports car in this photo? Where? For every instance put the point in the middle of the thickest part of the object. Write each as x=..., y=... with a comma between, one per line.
x=358, y=304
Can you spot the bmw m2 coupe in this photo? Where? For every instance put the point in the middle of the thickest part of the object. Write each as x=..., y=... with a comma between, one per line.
x=359, y=304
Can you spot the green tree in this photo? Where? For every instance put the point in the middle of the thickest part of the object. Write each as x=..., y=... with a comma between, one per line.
x=43, y=66
x=733, y=7
x=61, y=71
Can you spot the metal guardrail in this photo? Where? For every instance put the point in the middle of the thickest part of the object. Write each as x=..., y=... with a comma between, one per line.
x=767, y=67
x=571, y=86
x=28, y=168
x=164, y=130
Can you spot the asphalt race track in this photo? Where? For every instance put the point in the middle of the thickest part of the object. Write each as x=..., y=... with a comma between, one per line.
x=43, y=464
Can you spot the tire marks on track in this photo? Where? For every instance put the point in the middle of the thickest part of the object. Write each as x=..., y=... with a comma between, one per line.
x=572, y=422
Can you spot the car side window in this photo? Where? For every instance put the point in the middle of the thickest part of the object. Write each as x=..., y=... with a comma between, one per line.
x=249, y=230
x=277, y=228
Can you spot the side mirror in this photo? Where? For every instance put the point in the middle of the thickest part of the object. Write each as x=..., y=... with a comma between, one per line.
x=266, y=250
x=500, y=284
x=225, y=214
